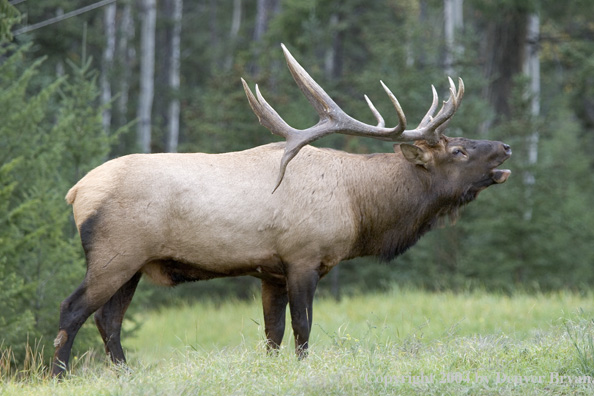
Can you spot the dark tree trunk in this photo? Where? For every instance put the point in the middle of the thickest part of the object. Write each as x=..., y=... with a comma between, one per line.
x=504, y=54
x=265, y=10
x=109, y=25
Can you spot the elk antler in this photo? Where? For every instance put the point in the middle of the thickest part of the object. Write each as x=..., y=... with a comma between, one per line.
x=334, y=120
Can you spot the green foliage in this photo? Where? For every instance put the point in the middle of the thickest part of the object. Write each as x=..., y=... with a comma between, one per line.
x=85, y=143
x=48, y=136
x=14, y=294
x=8, y=17
x=222, y=119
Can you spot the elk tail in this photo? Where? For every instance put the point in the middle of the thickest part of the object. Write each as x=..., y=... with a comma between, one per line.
x=71, y=195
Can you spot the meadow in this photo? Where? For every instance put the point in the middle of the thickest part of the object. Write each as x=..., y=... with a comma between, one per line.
x=403, y=342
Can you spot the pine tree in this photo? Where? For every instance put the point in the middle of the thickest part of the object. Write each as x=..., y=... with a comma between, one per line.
x=14, y=321
x=50, y=135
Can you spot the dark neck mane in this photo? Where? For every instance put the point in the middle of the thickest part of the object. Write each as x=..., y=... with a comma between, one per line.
x=397, y=207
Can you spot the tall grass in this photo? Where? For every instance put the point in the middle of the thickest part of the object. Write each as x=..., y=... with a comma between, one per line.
x=581, y=334
x=32, y=367
x=401, y=342
x=395, y=316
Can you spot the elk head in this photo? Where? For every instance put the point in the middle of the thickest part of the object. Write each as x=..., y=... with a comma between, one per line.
x=434, y=152
x=460, y=167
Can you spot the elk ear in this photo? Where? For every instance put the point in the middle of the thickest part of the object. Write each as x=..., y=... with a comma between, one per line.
x=414, y=154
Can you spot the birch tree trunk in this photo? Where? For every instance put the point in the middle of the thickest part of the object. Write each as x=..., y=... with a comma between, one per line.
x=262, y=9
x=532, y=70
x=234, y=33
x=173, y=80
x=453, y=22
x=147, y=74
x=333, y=58
x=109, y=26
x=126, y=56
x=60, y=62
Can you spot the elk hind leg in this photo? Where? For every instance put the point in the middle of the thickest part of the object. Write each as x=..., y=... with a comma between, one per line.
x=109, y=319
x=74, y=310
x=96, y=290
x=274, y=302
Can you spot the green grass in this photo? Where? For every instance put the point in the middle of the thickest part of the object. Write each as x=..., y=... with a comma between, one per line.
x=401, y=342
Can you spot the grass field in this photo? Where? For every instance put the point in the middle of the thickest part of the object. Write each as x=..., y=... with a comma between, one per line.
x=404, y=342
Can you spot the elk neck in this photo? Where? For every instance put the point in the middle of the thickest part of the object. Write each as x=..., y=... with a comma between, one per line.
x=394, y=203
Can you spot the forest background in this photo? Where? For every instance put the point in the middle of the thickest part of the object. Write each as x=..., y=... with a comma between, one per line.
x=82, y=82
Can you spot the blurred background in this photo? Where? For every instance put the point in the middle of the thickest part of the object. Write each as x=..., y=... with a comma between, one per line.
x=82, y=82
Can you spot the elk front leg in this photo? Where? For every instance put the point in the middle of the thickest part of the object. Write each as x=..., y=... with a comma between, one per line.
x=274, y=302
x=301, y=287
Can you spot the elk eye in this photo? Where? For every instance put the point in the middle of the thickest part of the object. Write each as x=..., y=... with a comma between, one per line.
x=458, y=152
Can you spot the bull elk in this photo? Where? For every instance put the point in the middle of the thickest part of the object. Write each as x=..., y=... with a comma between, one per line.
x=186, y=217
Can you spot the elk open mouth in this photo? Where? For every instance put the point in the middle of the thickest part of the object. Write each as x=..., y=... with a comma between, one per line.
x=500, y=175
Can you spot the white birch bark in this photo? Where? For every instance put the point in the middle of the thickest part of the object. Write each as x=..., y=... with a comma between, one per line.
x=174, y=67
x=261, y=19
x=147, y=74
x=532, y=70
x=234, y=33
x=453, y=22
x=60, y=64
x=330, y=61
x=126, y=56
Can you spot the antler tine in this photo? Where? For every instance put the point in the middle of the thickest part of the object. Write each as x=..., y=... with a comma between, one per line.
x=401, y=117
x=267, y=116
x=429, y=116
x=449, y=108
x=432, y=127
x=460, y=90
x=314, y=93
x=456, y=96
x=380, y=120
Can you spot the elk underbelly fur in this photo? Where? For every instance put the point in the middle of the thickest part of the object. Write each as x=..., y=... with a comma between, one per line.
x=170, y=272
